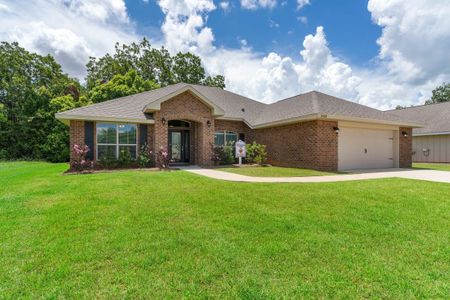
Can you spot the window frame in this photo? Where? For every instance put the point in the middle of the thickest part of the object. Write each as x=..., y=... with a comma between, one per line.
x=117, y=144
x=225, y=132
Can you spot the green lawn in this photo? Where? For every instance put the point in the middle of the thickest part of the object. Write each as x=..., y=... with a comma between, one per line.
x=273, y=171
x=177, y=235
x=431, y=166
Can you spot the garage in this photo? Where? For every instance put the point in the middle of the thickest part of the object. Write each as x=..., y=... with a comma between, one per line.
x=365, y=148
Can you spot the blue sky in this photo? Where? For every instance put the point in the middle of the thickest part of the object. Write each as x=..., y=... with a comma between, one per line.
x=350, y=31
x=378, y=53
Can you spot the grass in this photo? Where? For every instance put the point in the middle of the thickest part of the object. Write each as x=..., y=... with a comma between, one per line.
x=274, y=171
x=176, y=235
x=432, y=166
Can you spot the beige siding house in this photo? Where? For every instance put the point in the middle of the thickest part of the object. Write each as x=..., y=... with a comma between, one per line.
x=311, y=130
x=431, y=143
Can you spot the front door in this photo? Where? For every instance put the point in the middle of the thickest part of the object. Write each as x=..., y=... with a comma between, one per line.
x=179, y=146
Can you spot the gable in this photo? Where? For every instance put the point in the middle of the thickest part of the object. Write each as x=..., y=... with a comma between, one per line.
x=156, y=105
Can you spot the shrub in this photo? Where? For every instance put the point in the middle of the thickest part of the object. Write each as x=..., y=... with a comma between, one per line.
x=124, y=158
x=256, y=153
x=223, y=155
x=79, y=162
x=163, y=158
x=108, y=160
x=145, y=157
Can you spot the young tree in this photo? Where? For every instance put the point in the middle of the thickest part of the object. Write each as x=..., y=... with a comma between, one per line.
x=440, y=94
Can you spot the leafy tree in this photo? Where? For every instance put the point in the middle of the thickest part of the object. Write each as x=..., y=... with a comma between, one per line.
x=440, y=94
x=121, y=85
x=28, y=83
x=2, y=113
x=150, y=64
x=216, y=81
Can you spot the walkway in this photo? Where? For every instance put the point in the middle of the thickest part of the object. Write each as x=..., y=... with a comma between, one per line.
x=428, y=175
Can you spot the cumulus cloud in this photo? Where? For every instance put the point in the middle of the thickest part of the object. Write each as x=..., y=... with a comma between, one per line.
x=412, y=60
x=413, y=56
x=255, y=4
x=184, y=25
x=70, y=30
x=274, y=77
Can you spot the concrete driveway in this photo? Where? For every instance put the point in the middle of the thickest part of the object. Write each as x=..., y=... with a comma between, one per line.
x=428, y=175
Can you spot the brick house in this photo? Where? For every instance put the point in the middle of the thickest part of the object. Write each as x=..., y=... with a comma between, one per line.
x=311, y=130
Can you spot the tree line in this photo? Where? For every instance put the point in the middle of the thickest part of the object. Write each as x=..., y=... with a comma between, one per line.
x=33, y=88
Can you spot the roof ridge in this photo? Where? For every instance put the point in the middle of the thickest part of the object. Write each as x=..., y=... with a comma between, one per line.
x=418, y=106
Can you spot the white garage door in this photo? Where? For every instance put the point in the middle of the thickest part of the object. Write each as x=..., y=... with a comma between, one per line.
x=360, y=148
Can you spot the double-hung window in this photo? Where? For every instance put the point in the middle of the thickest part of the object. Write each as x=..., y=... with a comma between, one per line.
x=114, y=138
x=224, y=138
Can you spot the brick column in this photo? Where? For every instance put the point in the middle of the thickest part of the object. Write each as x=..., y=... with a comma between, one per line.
x=205, y=135
x=76, y=133
x=405, y=148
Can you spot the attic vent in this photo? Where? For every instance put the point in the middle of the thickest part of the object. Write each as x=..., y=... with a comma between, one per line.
x=243, y=109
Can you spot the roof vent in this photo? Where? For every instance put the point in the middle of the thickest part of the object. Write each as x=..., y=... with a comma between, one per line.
x=243, y=109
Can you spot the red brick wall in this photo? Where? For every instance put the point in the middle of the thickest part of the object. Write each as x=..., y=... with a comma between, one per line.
x=235, y=126
x=405, y=148
x=310, y=144
x=187, y=106
x=76, y=133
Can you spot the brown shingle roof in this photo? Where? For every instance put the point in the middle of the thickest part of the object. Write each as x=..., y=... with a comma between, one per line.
x=254, y=113
x=435, y=117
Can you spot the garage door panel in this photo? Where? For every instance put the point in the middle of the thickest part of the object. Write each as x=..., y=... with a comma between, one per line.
x=360, y=148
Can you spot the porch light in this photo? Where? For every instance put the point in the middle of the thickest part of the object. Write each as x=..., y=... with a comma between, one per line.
x=336, y=129
x=208, y=123
x=163, y=121
x=404, y=133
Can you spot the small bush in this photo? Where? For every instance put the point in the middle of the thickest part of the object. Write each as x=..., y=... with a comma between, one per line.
x=108, y=160
x=79, y=162
x=163, y=158
x=145, y=157
x=256, y=153
x=124, y=158
x=223, y=155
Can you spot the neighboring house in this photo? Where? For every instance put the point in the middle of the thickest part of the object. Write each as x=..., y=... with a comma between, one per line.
x=431, y=143
x=311, y=130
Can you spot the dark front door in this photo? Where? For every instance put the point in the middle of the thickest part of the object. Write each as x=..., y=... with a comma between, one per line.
x=179, y=146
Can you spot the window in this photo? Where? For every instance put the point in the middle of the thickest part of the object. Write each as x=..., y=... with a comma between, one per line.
x=113, y=138
x=222, y=138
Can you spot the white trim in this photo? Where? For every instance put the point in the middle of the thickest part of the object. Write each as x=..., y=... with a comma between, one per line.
x=156, y=105
x=368, y=120
x=432, y=133
x=66, y=118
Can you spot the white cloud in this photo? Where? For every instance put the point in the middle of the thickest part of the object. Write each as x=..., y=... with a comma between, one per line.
x=225, y=6
x=4, y=8
x=255, y=4
x=303, y=19
x=184, y=25
x=302, y=3
x=99, y=10
x=413, y=56
x=69, y=30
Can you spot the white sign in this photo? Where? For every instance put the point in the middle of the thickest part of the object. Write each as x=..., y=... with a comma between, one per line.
x=240, y=149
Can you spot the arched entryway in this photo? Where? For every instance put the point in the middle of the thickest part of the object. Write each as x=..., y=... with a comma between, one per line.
x=179, y=141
